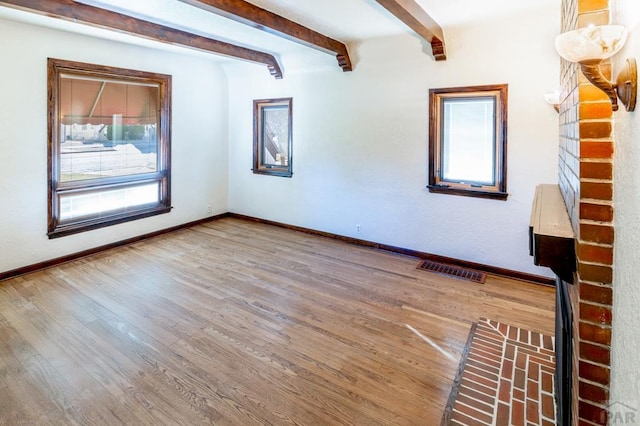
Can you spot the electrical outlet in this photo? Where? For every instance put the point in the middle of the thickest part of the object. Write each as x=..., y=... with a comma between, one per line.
x=209, y=209
x=358, y=229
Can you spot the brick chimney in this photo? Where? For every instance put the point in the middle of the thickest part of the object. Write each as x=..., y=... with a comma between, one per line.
x=586, y=182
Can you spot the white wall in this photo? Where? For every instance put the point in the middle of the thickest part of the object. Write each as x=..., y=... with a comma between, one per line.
x=199, y=138
x=625, y=348
x=360, y=141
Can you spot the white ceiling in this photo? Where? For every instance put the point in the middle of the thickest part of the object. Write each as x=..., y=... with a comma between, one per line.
x=348, y=21
x=453, y=13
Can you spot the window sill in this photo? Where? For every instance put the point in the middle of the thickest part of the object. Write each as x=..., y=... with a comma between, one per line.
x=468, y=192
x=88, y=225
x=272, y=172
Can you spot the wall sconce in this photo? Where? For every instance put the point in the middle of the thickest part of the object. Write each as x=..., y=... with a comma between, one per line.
x=553, y=99
x=589, y=47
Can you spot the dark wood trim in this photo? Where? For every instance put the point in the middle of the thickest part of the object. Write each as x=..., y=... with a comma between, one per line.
x=53, y=115
x=443, y=189
x=493, y=270
x=262, y=19
x=416, y=18
x=74, y=256
x=97, y=223
x=95, y=16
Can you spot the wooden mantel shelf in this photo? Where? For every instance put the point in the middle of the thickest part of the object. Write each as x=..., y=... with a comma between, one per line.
x=551, y=236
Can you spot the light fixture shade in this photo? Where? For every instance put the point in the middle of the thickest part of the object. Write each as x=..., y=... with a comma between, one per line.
x=552, y=98
x=593, y=43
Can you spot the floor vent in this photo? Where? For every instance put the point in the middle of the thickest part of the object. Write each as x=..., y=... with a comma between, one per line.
x=453, y=271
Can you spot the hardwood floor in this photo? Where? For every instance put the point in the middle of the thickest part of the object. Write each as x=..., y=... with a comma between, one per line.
x=239, y=323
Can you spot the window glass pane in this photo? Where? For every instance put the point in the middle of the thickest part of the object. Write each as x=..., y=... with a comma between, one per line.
x=275, y=150
x=73, y=206
x=107, y=128
x=468, y=144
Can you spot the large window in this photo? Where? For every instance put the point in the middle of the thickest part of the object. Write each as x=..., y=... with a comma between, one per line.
x=109, y=147
x=468, y=141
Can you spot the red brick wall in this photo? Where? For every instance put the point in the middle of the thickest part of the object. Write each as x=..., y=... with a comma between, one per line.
x=585, y=178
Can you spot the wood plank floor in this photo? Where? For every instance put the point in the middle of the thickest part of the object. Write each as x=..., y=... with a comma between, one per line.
x=238, y=323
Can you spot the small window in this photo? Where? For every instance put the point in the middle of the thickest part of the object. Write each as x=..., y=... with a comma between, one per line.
x=272, y=140
x=109, y=146
x=468, y=141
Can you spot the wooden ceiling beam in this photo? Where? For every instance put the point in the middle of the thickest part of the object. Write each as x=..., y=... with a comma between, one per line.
x=95, y=16
x=416, y=18
x=262, y=19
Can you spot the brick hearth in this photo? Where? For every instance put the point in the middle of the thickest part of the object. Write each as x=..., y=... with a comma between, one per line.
x=506, y=377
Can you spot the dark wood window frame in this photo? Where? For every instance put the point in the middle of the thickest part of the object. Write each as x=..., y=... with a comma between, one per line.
x=260, y=165
x=57, y=188
x=439, y=184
